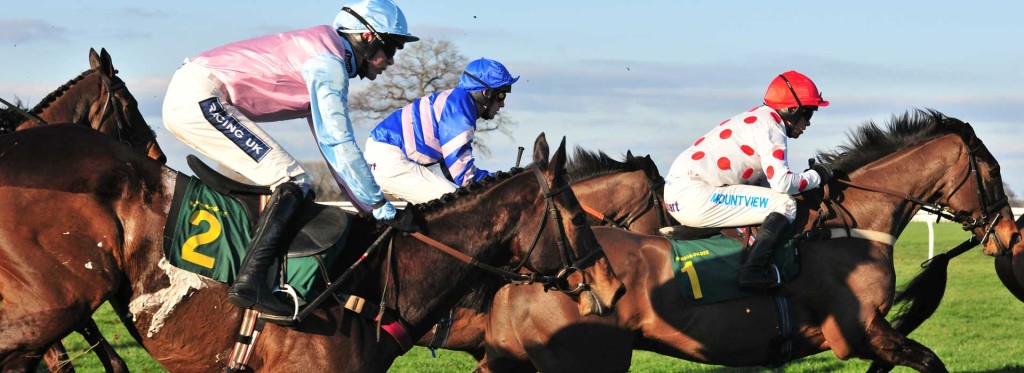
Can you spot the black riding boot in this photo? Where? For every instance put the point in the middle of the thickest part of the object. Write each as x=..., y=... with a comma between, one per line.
x=251, y=288
x=757, y=274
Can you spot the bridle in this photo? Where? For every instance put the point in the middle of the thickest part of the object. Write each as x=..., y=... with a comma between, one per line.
x=654, y=202
x=570, y=263
x=986, y=221
x=124, y=136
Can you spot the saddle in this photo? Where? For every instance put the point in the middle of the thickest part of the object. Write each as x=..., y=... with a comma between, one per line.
x=316, y=226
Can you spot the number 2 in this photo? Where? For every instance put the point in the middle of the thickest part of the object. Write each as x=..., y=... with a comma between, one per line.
x=188, y=250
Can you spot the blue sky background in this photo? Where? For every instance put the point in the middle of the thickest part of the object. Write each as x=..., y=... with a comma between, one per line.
x=651, y=76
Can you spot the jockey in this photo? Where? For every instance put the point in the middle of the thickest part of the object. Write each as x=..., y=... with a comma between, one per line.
x=437, y=128
x=738, y=174
x=215, y=101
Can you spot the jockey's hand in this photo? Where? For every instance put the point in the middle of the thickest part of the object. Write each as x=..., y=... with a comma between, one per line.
x=824, y=172
x=404, y=221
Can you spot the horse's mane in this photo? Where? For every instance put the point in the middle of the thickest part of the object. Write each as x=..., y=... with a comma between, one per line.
x=475, y=187
x=869, y=142
x=10, y=118
x=586, y=164
x=53, y=96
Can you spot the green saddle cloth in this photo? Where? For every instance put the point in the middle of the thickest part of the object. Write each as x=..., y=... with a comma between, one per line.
x=211, y=234
x=707, y=270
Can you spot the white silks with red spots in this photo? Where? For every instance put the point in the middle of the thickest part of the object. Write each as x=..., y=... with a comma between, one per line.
x=736, y=174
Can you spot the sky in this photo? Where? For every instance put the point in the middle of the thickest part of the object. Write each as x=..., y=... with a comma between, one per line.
x=646, y=76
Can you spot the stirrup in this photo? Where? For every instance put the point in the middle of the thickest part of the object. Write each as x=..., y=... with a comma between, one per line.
x=285, y=320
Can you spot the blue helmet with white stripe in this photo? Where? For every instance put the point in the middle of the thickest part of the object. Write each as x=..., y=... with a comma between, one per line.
x=376, y=16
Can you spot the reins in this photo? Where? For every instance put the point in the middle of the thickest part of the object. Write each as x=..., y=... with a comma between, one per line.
x=570, y=263
x=941, y=211
x=23, y=113
x=654, y=202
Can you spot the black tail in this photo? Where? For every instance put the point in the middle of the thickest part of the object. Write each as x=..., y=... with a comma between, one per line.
x=922, y=295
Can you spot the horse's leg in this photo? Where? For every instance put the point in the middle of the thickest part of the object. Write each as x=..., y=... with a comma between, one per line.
x=21, y=362
x=28, y=333
x=56, y=359
x=887, y=346
x=111, y=361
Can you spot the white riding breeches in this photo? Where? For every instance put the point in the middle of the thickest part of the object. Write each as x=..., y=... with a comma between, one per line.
x=196, y=112
x=401, y=177
x=695, y=203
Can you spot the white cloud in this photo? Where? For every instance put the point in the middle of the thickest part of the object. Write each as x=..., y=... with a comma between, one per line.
x=22, y=31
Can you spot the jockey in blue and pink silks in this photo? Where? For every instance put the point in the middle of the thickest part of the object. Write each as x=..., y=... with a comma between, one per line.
x=738, y=174
x=437, y=128
x=216, y=99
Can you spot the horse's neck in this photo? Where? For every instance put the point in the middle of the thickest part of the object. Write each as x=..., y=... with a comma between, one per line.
x=619, y=195
x=429, y=283
x=74, y=105
x=926, y=171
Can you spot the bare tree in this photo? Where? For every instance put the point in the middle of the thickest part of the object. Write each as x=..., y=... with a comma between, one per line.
x=423, y=68
x=1011, y=197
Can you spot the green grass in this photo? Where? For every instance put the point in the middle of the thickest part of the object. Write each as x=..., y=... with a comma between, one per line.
x=977, y=328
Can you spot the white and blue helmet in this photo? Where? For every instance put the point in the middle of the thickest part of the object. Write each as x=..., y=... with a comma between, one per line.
x=375, y=16
x=485, y=74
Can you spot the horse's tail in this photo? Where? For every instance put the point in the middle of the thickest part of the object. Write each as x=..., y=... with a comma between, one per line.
x=922, y=295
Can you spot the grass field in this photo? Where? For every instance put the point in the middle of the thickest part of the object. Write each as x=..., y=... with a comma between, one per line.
x=977, y=329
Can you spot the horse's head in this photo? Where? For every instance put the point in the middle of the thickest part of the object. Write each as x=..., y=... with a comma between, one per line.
x=114, y=110
x=930, y=161
x=978, y=196
x=579, y=262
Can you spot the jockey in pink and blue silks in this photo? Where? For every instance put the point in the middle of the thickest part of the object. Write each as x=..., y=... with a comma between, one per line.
x=216, y=99
x=738, y=174
x=437, y=128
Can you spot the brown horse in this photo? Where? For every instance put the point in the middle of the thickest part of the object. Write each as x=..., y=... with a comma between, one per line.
x=624, y=194
x=107, y=238
x=839, y=300
x=96, y=98
x=923, y=294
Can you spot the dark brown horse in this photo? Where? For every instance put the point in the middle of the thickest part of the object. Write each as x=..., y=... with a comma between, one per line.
x=106, y=241
x=96, y=98
x=923, y=294
x=625, y=194
x=839, y=300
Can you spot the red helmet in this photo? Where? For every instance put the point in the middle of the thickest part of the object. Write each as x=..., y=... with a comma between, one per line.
x=792, y=89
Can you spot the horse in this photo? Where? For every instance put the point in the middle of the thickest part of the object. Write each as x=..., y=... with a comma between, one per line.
x=839, y=299
x=922, y=295
x=107, y=238
x=624, y=194
x=96, y=98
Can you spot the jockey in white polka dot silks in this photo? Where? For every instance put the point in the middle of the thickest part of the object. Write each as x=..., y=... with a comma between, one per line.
x=738, y=174
x=215, y=100
x=437, y=128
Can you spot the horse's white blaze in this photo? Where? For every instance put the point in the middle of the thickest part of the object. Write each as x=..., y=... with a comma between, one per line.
x=88, y=265
x=161, y=304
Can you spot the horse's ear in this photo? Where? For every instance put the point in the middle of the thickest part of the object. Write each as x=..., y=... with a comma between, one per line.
x=629, y=155
x=106, y=66
x=557, y=165
x=94, y=59
x=540, y=151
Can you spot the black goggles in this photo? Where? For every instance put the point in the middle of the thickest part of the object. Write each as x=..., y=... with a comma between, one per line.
x=807, y=111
